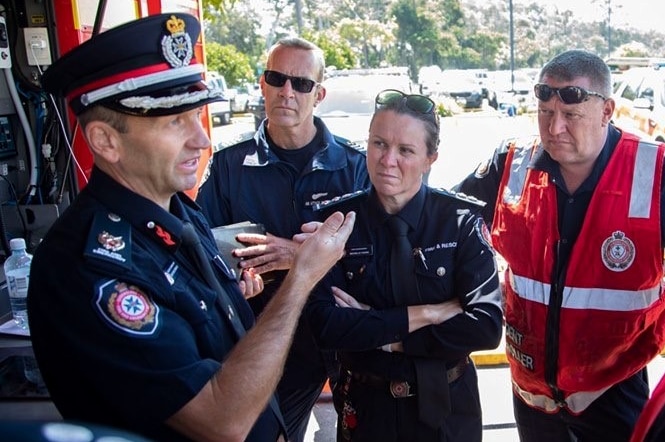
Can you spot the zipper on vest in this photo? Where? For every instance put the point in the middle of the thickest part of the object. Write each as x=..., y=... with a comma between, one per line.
x=552, y=326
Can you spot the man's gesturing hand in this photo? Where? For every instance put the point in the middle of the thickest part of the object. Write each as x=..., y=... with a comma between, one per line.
x=318, y=253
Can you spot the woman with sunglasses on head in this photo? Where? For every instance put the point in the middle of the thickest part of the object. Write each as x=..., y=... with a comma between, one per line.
x=404, y=328
x=578, y=216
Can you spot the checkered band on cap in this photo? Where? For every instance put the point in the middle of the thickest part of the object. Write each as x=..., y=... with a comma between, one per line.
x=143, y=67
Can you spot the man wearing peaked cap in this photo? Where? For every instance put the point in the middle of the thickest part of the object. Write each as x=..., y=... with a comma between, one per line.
x=146, y=67
x=137, y=323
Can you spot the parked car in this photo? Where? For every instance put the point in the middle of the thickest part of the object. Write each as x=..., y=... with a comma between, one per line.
x=349, y=103
x=459, y=85
x=241, y=96
x=517, y=91
x=640, y=102
x=487, y=87
x=220, y=111
x=521, y=83
x=256, y=106
x=427, y=78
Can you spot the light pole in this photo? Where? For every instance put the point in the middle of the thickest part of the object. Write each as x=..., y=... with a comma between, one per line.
x=609, y=28
x=608, y=3
x=512, y=47
x=299, y=16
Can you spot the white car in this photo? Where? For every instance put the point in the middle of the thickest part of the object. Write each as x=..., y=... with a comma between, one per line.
x=640, y=102
x=349, y=103
x=220, y=111
x=241, y=96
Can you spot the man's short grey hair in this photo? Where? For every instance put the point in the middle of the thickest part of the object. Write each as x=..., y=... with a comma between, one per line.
x=577, y=63
x=301, y=43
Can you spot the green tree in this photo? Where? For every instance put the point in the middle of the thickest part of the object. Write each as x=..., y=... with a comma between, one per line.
x=237, y=25
x=369, y=37
x=216, y=7
x=447, y=33
x=228, y=61
x=234, y=45
x=487, y=45
x=419, y=41
x=338, y=52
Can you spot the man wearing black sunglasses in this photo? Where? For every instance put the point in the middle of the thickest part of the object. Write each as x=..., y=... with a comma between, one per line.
x=578, y=216
x=274, y=178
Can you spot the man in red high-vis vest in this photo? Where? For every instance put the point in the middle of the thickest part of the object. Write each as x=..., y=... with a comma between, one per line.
x=578, y=216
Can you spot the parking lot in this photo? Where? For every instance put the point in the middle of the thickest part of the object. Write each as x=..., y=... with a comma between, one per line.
x=466, y=140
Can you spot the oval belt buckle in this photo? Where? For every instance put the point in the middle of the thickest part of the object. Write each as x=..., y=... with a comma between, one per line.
x=400, y=389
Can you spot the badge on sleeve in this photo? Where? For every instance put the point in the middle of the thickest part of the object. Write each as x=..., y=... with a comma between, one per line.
x=127, y=308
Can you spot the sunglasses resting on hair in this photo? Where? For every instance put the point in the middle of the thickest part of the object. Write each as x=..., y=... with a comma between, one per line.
x=568, y=94
x=417, y=103
x=299, y=84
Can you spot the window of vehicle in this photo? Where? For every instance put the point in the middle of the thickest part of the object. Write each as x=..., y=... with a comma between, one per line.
x=640, y=102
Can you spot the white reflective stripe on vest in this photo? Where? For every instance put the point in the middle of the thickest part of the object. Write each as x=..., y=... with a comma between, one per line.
x=643, y=178
x=576, y=402
x=518, y=169
x=586, y=298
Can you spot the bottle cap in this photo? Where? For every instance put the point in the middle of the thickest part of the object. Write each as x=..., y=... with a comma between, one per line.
x=17, y=243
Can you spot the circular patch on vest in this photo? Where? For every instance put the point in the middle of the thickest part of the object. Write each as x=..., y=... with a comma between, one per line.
x=617, y=252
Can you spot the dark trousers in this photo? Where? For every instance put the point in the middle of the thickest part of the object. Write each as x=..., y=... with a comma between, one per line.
x=296, y=405
x=610, y=418
x=374, y=415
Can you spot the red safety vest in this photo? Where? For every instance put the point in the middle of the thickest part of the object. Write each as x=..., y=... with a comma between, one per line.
x=611, y=317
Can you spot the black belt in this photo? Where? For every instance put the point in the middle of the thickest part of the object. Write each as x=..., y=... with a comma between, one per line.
x=402, y=389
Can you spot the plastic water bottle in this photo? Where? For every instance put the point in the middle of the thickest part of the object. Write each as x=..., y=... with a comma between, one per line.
x=17, y=272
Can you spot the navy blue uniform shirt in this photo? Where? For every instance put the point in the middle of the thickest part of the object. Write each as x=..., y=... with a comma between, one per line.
x=453, y=260
x=249, y=182
x=124, y=328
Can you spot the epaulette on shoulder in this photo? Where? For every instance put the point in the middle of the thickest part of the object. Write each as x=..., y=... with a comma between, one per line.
x=348, y=143
x=460, y=197
x=109, y=240
x=321, y=205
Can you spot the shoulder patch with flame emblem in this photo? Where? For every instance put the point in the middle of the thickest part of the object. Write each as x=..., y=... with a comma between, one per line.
x=126, y=308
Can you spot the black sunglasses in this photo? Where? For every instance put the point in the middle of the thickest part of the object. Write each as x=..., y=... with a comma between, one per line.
x=568, y=94
x=417, y=103
x=299, y=84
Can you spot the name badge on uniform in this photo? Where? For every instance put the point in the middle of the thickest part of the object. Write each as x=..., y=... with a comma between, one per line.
x=352, y=252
